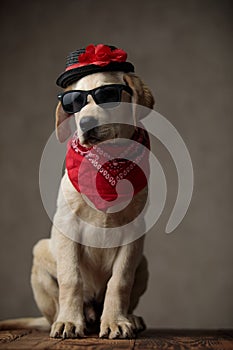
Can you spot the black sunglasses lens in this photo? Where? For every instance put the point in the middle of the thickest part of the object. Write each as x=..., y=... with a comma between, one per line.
x=73, y=101
x=108, y=96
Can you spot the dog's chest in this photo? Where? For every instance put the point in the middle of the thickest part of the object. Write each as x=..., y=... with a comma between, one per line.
x=96, y=268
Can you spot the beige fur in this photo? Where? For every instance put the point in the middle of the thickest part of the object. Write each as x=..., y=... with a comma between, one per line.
x=69, y=279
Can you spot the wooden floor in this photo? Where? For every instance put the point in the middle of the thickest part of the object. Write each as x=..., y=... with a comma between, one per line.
x=148, y=340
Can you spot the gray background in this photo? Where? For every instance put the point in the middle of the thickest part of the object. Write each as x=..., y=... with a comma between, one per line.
x=183, y=51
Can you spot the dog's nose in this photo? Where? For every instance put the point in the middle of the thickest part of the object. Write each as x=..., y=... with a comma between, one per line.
x=87, y=123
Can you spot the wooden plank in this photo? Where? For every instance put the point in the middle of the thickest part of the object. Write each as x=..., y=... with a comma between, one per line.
x=29, y=341
x=94, y=343
x=148, y=340
x=40, y=341
x=181, y=340
x=11, y=335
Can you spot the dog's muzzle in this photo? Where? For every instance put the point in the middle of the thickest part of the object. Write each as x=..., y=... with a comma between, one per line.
x=88, y=123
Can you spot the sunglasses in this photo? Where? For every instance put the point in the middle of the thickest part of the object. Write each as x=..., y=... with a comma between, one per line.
x=109, y=96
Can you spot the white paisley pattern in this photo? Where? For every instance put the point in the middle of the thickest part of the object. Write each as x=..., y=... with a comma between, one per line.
x=113, y=170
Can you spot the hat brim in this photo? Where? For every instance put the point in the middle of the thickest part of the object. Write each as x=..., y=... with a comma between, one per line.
x=70, y=76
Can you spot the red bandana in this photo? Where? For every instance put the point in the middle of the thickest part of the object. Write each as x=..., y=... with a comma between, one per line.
x=100, y=172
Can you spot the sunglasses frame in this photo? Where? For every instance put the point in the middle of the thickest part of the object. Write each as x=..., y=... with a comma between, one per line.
x=85, y=93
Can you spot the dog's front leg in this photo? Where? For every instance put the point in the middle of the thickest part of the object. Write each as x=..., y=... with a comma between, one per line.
x=115, y=321
x=70, y=321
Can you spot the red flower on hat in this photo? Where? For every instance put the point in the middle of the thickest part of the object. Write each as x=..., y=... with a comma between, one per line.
x=88, y=56
x=101, y=55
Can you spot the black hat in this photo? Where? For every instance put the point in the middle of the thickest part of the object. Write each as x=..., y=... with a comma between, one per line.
x=93, y=59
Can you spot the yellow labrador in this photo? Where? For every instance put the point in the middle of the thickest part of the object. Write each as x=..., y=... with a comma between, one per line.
x=76, y=285
x=72, y=282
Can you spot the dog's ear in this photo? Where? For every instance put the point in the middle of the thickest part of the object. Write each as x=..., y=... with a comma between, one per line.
x=141, y=94
x=63, y=130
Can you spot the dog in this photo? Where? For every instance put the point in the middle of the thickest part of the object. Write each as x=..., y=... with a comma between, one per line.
x=77, y=286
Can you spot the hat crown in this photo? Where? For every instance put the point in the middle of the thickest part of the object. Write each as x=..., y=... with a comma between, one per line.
x=93, y=59
x=73, y=56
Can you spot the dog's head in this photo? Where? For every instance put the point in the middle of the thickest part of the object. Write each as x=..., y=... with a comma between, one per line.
x=94, y=121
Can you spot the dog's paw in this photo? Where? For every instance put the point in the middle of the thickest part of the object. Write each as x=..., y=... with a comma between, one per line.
x=138, y=323
x=121, y=327
x=67, y=330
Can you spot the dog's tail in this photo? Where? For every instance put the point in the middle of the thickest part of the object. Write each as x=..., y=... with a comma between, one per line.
x=39, y=323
